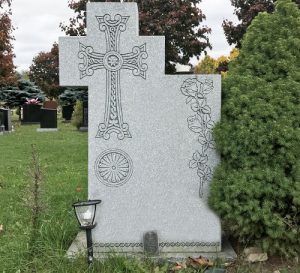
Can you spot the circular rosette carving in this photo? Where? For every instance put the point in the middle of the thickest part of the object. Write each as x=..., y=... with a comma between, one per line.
x=113, y=61
x=113, y=168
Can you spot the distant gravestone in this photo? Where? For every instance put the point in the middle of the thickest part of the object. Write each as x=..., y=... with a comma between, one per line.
x=48, y=120
x=30, y=113
x=151, y=152
x=67, y=111
x=85, y=117
x=50, y=104
x=5, y=119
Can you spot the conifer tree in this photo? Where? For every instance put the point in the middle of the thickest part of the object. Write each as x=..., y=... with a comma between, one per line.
x=256, y=188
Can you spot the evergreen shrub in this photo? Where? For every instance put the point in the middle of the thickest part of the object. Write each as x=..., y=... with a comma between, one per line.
x=256, y=188
x=77, y=116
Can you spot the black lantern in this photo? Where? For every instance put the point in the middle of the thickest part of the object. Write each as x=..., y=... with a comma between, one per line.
x=85, y=212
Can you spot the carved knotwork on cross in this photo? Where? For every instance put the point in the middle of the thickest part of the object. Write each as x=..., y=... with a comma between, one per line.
x=112, y=61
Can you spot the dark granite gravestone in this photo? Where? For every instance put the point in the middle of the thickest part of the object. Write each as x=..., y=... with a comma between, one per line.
x=5, y=119
x=2, y=127
x=48, y=120
x=67, y=111
x=30, y=113
x=85, y=110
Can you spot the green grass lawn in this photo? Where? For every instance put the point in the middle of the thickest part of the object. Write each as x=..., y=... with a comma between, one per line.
x=63, y=161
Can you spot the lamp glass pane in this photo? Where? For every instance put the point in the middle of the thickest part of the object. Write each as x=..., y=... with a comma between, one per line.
x=85, y=215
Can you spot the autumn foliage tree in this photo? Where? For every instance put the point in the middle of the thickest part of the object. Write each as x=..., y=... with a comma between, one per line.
x=209, y=65
x=178, y=20
x=246, y=10
x=44, y=72
x=7, y=68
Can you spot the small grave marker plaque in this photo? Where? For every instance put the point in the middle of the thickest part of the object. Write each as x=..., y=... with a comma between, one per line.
x=151, y=243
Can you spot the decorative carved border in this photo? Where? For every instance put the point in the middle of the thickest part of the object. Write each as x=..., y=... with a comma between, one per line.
x=188, y=244
x=163, y=246
x=118, y=245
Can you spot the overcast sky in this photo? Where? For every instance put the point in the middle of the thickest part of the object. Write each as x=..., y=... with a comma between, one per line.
x=37, y=26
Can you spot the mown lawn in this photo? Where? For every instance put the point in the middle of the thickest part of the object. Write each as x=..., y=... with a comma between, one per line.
x=63, y=162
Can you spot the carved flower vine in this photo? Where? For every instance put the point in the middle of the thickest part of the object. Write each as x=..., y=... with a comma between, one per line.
x=200, y=123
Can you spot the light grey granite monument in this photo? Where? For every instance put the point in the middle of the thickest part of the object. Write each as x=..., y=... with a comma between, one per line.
x=151, y=152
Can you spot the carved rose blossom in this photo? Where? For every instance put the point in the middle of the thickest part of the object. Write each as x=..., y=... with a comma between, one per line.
x=190, y=87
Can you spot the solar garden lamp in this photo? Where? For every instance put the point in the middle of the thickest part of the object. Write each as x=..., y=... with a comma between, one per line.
x=85, y=212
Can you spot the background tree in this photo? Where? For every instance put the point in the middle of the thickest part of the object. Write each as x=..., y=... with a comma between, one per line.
x=7, y=68
x=44, y=72
x=178, y=20
x=245, y=10
x=71, y=95
x=207, y=66
x=210, y=65
x=15, y=96
x=256, y=188
x=223, y=61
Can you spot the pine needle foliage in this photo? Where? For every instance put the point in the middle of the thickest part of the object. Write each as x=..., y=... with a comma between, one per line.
x=256, y=188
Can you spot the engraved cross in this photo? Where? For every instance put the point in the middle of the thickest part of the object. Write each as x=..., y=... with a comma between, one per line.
x=112, y=61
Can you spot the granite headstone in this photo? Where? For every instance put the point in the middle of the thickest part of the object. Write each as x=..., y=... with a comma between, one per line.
x=151, y=152
x=85, y=116
x=5, y=119
x=30, y=113
x=67, y=111
x=48, y=120
x=50, y=104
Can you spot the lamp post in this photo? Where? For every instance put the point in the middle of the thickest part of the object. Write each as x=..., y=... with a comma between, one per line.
x=85, y=212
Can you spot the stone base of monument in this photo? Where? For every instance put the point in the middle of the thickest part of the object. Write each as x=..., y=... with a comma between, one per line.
x=42, y=130
x=227, y=253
